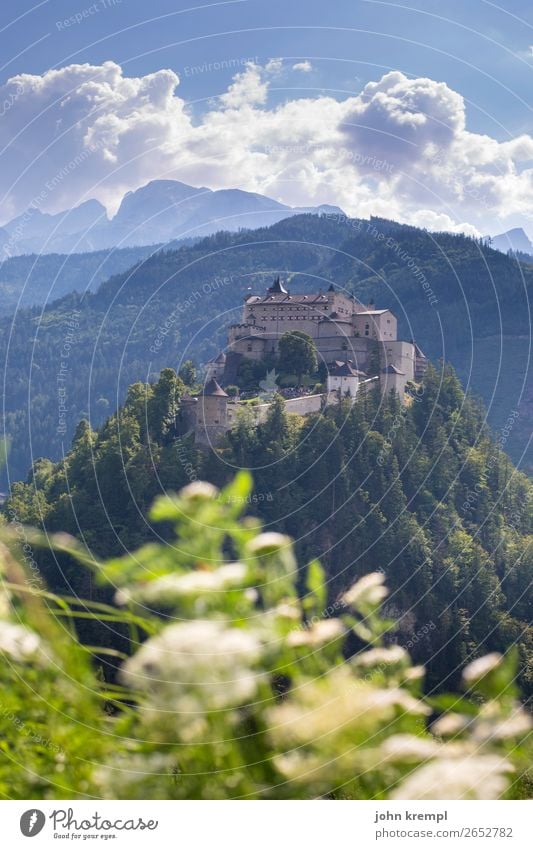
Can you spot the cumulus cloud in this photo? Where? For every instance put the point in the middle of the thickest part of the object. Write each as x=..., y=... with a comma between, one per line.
x=400, y=148
x=248, y=89
x=304, y=66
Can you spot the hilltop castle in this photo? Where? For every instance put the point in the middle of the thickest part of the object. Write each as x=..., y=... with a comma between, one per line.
x=357, y=343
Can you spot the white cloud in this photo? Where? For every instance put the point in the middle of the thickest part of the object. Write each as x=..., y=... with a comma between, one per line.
x=274, y=66
x=304, y=66
x=247, y=89
x=400, y=148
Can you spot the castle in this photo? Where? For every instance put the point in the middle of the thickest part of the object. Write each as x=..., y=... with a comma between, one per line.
x=357, y=343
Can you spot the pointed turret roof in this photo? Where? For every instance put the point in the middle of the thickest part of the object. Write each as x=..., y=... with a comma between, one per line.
x=213, y=388
x=277, y=287
x=346, y=370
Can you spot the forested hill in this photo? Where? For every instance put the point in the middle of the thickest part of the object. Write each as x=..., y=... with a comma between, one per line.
x=459, y=299
x=421, y=492
x=31, y=280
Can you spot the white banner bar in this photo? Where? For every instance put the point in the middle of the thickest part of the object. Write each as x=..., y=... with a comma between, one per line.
x=268, y=825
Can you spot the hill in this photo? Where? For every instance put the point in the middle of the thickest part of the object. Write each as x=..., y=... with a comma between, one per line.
x=454, y=295
x=34, y=279
x=420, y=492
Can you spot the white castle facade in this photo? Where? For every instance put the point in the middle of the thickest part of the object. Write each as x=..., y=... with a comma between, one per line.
x=357, y=343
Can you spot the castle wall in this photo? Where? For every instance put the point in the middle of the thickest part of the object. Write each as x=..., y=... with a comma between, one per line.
x=380, y=325
x=354, y=348
x=251, y=347
x=347, y=384
x=393, y=381
x=400, y=354
x=302, y=406
x=342, y=304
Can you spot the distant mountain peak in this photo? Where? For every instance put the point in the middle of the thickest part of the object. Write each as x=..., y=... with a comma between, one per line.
x=515, y=239
x=160, y=212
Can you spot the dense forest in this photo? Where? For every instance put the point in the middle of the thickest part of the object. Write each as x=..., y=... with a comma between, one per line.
x=458, y=298
x=35, y=279
x=421, y=492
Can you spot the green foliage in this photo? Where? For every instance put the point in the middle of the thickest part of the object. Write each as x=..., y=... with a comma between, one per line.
x=297, y=353
x=233, y=691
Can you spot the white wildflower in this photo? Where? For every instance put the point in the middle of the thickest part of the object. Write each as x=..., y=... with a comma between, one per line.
x=516, y=724
x=409, y=747
x=450, y=724
x=393, y=656
x=368, y=590
x=321, y=632
x=414, y=673
x=18, y=642
x=338, y=704
x=269, y=543
x=285, y=610
x=171, y=588
x=481, y=667
x=130, y=774
x=196, y=666
x=199, y=490
x=476, y=777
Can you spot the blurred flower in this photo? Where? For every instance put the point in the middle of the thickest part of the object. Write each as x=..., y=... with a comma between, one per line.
x=488, y=727
x=476, y=777
x=199, y=490
x=451, y=724
x=338, y=704
x=196, y=667
x=269, y=543
x=408, y=747
x=393, y=656
x=18, y=642
x=171, y=588
x=320, y=633
x=285, y=610
x=481, y=667
x=367, y=590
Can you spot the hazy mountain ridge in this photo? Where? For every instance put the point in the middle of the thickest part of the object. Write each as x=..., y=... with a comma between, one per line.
x=515, y=240
x=159, y=212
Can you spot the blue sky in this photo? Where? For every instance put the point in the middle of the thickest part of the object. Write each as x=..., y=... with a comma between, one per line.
x=481, y=51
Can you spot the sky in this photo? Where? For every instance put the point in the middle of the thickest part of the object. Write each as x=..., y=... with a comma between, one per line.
x=418, y=111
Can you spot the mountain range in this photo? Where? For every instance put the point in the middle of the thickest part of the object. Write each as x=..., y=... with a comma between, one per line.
x=159, y=212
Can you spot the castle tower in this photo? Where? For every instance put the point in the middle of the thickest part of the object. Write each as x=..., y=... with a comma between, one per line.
x=391, y=377
x=277, y=288
x=215, y=368
x=212, y=416
x=345, y=379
